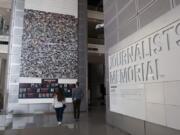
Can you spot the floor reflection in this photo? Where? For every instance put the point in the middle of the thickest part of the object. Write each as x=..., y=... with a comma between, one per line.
x=36, y=121
x=92, y=123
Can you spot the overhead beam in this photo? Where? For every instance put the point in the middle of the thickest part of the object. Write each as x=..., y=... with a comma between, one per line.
x=95, y=15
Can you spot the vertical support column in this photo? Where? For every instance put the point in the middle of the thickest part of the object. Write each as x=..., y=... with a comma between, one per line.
x=13, y=73
x=82, y=41
x=1, y=75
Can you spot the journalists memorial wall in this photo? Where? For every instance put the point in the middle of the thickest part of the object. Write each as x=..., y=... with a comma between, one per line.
x=144, y=73
x=44, y=55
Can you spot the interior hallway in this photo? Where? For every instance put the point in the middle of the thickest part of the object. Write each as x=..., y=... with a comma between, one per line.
x=92, y=123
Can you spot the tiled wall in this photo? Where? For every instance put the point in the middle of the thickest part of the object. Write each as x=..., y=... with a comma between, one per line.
x=14, y=57
x=123, y=18
x=49, y=47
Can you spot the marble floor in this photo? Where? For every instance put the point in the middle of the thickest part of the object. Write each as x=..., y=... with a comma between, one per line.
x=92, y=123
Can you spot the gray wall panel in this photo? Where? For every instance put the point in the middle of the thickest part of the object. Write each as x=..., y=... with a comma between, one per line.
x=13, y=98
x=177, y=2
x=127, y=29
x=15, y=69
x=121, y=3
x=16, y=50
x=153, y=129
x=127, y=13
x=15, y=58
x=17, y=40
x=144, y=3
x=108, y=4
x=14, y=87
x=20, y=5
x=110, y=13
x=107, y=79
x=157, y=9
x=19, y=18
x=138, y=127
x=133, y=126
x=128, y=124
x=111, y=27
x=14, y=78
x=112, y=39
x=18, y=31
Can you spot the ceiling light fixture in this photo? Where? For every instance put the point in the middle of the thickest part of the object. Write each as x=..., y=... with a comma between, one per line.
x=99, y=26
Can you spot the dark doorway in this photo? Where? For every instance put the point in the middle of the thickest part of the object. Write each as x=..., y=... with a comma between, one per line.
x=96, y=90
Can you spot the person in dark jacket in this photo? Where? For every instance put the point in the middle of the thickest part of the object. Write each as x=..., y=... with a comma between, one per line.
x=77, y=95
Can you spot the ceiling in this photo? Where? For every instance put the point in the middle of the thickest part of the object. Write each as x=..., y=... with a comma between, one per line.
x=5, y=3
x=92, y=31
x=95, y=5
x=95, y=36
x=5, y=10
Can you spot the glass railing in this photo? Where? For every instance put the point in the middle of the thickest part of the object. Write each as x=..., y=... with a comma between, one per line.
x=4, y=39
x=4, y=27
x=100, y=9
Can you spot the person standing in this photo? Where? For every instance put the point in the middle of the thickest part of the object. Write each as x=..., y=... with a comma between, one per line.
x=58, y=103
x=77, y=95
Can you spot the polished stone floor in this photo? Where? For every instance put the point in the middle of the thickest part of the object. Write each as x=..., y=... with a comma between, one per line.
x=92, y=123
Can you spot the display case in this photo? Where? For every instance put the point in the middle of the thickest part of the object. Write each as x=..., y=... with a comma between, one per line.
x=44, y=90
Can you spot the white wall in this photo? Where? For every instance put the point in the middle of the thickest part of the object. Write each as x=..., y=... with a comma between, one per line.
x=67, y=7
x=4, y=49
x=157, y=100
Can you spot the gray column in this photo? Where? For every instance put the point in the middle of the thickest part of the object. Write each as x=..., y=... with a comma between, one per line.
x=14, y=55
x=82, y=39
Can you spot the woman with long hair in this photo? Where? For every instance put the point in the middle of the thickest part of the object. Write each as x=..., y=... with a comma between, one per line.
x=58, y=104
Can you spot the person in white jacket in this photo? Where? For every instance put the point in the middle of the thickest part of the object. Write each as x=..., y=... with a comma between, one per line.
x=58, y=104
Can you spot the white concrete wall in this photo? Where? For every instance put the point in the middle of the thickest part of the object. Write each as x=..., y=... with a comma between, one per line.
x=122, y=19
x=67, y=7
x=4, y=49
x=150, y=99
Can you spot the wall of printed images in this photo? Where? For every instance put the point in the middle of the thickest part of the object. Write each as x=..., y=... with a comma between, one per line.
x=49, y=45
x=44, y=89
